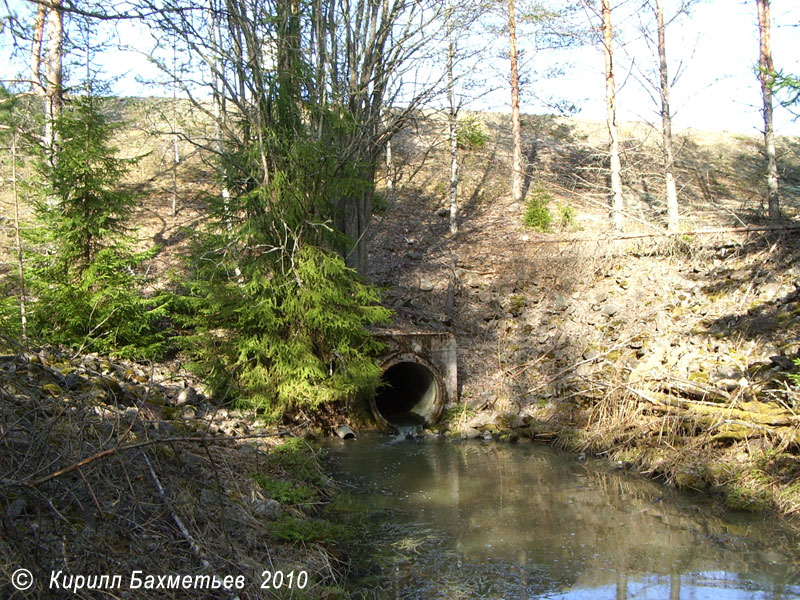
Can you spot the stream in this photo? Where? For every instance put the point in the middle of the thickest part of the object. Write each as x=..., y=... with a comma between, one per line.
x=470, y=519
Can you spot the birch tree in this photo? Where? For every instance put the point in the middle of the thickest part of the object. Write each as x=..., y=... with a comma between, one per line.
x=666, y=121
x=459, y=19
x=452, y=117
x=517, y=174
x=766, y=72
x=47, y=52
x=615, y=165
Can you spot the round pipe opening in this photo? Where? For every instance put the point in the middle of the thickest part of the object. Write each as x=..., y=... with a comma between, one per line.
x=412, y=393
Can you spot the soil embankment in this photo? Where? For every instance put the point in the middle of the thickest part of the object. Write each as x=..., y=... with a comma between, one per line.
x=672, y=356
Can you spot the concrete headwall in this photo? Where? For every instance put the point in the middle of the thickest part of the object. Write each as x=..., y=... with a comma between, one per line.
x=420, y=377
x=438, y=348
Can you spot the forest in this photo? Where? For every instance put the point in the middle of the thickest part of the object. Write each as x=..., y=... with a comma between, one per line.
x=196, y=277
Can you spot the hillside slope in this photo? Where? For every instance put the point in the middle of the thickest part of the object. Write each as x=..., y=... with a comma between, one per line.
x=670, y=355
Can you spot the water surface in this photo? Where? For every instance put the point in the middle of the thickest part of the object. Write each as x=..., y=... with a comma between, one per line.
x=463, y=520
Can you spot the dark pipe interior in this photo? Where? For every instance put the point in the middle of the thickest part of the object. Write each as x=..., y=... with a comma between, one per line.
x=408, y=395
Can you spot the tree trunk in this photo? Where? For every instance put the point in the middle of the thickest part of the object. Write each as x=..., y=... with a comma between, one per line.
x=452, y=121
x=354, y=213
x=176, y=157
x=666, y=123
x=389, y=161
x=54, y=92
x=611, y=112
x=36, y=50
x=516, y=125
x=767, y=77
x=23, y=317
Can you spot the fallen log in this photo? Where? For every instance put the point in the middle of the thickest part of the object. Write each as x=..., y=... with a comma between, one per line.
x=773, y=417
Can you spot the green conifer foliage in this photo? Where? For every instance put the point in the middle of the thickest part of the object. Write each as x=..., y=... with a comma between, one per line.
x=91, y=207
x=84, y=273
x=288, y=341
x=280, y=321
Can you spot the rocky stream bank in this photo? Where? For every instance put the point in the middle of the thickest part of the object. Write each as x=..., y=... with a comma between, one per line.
x=111, y=468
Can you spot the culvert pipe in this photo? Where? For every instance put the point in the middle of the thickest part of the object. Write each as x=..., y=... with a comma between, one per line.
x=412, y=392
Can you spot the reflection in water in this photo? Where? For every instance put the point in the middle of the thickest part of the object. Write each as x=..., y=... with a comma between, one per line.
x=476, y=520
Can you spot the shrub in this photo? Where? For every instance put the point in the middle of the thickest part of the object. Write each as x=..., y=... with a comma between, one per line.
x=307, y=530
x=276, y=341
x=285, y=492
x=566, y=216
x=537, y=214
x=470, y=134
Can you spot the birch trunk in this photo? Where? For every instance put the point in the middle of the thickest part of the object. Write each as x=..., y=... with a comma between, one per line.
x=666, y=123
x=767, y=77
x=516, y=125
x=175, y=152
x=452, y=121
x=611, y=112
x=54, y=93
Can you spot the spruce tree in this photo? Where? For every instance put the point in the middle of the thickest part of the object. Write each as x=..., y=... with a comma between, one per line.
x=84, y=275
x=280, y=322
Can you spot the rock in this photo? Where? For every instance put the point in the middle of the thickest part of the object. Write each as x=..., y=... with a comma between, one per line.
x=443, y=212
x=727, y=384
x=237, y=513
x=610, y=310
x=770, y=291
x=472, y=280
x=783, y=362
x=726, y=372
x=560, y=303
x=188, y=395
x=590, y=353
x=520, y=421
x=482, y=419
x=268, y=509
x=425, y=284
x=600, y=297
x=468, y=433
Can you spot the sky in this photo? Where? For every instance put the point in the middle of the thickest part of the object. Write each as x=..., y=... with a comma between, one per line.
x=718, y=51
x=717, y=89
